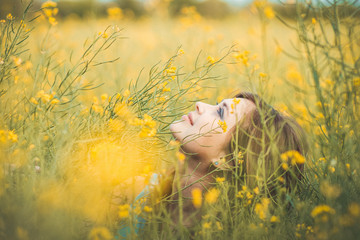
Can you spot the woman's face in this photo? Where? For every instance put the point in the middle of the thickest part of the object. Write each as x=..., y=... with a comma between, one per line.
x=202, y=132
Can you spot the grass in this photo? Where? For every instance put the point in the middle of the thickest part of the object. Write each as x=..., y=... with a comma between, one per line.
x=86, y=106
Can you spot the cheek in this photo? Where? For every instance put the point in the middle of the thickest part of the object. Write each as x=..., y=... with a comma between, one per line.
x=206, y=145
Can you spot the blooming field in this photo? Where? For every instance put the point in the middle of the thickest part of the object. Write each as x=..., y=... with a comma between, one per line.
x=86, y=106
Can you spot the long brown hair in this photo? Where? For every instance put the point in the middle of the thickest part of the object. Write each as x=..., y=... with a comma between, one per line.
x=263, y=135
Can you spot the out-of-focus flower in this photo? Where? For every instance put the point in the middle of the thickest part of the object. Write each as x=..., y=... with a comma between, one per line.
x=100, y=233
x=354, y=209
x=212, y=195
x=274, y=219
x=196, y=194
x=261, y=209
x=329, y=191
x=292, y=156
x=211, y=60
x=17, y=61
x=220, y=179
x=10, y=17
x=147, y=209
x=206, y=225
x=180, y=156
x=320, y=209
x=115, y=13
x=124, y=210
x=269, y=12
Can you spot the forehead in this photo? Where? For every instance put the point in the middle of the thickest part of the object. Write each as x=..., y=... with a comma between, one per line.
x=239, y=105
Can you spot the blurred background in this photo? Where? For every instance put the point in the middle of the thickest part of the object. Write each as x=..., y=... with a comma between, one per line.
x=142, y=8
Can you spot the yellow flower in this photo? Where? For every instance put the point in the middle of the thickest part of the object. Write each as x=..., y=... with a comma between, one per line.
x=354, y=209
x=294, y=156
x=212, y=195
x=356, y=82
x=147, y=132
x=12, y=136
x=100, y=233
x=236, y=100
x=180, y=156
x=17, y=61
x=329, y=191
x=285, y=166
x=10, y=17
x=347, y=166
x=148, y=121
x=196, y=194
x=124, y=211
x=220, y=179
x=175, y=143
x=262, y=75
x=211, y=60
x=45, y=98
x=54, y=101
x=261, y=209
x=104, y=97
x=34, y=101
x=206, y=225
x=49, y=4
x=181, y=52
x=126, y=93
x=313, y=21
x=274, y=219
x=256, y=190
x=223, y=125
x=269, y=12
x=52, y=21
x=219, y=226
x=166, y=89
x=148, y=209
x=322, y=209
x=115, y=13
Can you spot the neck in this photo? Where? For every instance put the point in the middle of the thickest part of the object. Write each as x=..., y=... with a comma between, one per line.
x=192, y=174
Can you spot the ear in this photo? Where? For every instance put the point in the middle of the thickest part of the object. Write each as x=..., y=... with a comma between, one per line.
x=222, y=163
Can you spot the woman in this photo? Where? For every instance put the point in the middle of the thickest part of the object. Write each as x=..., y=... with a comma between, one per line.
x=242, y=136
x=212, y=137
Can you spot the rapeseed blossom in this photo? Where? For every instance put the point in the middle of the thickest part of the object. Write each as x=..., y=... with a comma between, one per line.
x=50, y=10
x=261, y=209
x=220, y=179
x=196, y=194
x=269, y=12
x=100, y=233
x=115, y=13
x=180, y=156
x=223, y=125
x=293, y=156
x=124, y=210
x=212, y=195
x=320, y=209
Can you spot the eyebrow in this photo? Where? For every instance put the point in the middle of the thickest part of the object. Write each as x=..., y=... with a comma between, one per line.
x=225, y=105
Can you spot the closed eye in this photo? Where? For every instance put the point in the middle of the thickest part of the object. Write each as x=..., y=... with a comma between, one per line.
x=220, y=111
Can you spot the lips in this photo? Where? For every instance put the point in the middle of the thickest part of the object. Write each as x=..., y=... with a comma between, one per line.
x=191, y=119
x=188, y=118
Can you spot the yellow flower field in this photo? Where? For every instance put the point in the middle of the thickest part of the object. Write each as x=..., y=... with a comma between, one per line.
x=86, y=104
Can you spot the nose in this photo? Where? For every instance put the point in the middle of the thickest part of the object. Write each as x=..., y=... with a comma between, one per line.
x=199, y=106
